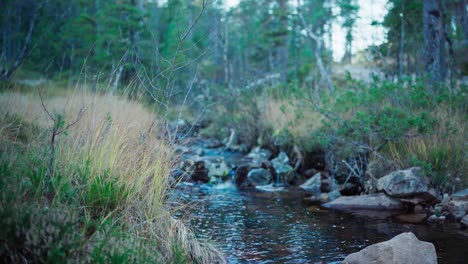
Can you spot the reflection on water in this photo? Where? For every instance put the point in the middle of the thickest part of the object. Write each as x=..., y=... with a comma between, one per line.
x=258, y=227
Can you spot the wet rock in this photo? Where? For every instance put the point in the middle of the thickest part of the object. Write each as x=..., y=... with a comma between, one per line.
x=458, y=209
x=404, y=183
x=310, y=173
x=350, y=188
x=333, y=195
x=281, y=158
x=313, y=200
x=461, y=195
x=240, y=177
x=321, y=198
x=313, y=184
x=434, y=219
x=464, y=221
x=258, y=153
x=239, y=148
x=199, y=172
x=377, y=201
x=418, y=209
x=412, y=218
x=329, y=184
x=211, y=143
x=316, y=209
x=319, y=183
x=431, y=196
x=427, y=198
x=259, y=177
x=218, y=169
x=284, y=172
x=404, y=248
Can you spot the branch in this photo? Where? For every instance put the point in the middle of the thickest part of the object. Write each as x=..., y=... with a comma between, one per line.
x=43, y=105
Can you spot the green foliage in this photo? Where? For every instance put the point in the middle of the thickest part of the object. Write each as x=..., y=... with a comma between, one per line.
x=102, y=193
x=401, y=121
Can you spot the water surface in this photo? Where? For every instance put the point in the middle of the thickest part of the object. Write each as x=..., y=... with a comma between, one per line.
x=259, y=227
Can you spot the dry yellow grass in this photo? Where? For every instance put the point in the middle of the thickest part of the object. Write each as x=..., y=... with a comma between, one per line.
x=291, y=115
x=116, y=140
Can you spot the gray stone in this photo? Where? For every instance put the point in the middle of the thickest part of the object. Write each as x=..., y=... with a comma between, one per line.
x=418, y=209
x=321, y=198
x=258, y=153
x=211, y=143
x=333, y=195
x=313, y=184
x=457, y=208
x=377, y=201
x=218, y=169
x=281, y=158
x=464, y=221
x=198, y=172
x=284, y=172
x=404, y=248
x=404, y=183
x=350, y=188
x=434, y=219
x=412, y=218
x=461, y=195
x=259, y=177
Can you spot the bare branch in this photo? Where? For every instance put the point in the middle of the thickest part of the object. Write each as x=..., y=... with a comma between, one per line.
x=43, y=105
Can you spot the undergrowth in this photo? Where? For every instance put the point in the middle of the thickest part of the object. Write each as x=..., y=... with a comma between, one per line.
x=104, y=200
x=382, y=124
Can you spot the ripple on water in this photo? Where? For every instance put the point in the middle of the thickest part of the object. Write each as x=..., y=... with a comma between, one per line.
x=253, y=227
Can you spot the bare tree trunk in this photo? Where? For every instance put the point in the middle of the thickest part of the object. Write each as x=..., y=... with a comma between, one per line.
x=463, y=17
x=431, y=17
x=118, y=75
x=283, y=49
x=348, y=47
x=442, y=40
x=317, y=52
x=21, y=57
x=225, y=53
x=401, y=59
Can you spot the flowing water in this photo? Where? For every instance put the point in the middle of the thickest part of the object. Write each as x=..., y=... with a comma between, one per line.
x=277, y=227
x=259, y=227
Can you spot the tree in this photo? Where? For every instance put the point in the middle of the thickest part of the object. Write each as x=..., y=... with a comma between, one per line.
x=17, y=35
x=348, y=11
x=432, y=40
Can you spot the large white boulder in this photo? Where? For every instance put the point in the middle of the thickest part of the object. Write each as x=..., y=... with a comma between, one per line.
x=404, y=183
x=402, y=249
x=378, y=201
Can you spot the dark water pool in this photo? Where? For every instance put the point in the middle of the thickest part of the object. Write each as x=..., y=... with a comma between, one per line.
x=258, y=227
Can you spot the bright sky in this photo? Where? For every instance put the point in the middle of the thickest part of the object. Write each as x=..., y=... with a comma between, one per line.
x=364, y=33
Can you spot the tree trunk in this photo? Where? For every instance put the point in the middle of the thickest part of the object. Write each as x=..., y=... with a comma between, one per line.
x=463, y=17
x=401, y=59
x=317, y=52
x=283, y=48
x=24, y=52
x=431, y=17
x=225, y=53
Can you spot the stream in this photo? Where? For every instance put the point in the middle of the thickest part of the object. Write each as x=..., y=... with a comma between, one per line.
x=252, y=226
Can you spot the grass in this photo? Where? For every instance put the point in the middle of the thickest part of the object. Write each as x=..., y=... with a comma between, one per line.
x=395, y=125
x=105, y=201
